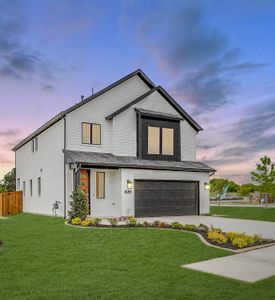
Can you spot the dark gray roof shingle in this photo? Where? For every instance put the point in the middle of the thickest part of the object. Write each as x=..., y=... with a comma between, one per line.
x=111, y=161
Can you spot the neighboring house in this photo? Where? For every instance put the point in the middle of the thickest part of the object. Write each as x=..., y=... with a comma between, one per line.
x=130, y=147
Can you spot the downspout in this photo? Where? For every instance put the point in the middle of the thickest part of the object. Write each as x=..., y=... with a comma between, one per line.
x=65, y=177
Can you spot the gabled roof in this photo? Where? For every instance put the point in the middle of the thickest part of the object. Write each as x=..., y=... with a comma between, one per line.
x=168, y=98
x=108, y=160
x=59, y=116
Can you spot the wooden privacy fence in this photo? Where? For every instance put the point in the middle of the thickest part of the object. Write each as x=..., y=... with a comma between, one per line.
x=11, y=203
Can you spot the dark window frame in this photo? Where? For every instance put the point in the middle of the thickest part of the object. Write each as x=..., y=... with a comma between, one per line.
x=143, y=122
x=91, y=133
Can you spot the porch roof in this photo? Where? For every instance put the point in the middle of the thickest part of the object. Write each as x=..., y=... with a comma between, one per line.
x=108, y=160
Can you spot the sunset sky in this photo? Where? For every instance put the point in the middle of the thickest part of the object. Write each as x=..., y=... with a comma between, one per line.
x=216, y=58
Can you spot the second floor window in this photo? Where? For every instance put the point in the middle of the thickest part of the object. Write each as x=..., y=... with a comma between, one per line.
x=160, y=141
x=35, y=145
x=91, y=133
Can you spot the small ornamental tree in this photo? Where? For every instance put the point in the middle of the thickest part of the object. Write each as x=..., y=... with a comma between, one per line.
x=79, y=205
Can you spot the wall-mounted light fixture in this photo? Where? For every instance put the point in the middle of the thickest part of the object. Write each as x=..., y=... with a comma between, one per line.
x=207, y=186
x=129, y=184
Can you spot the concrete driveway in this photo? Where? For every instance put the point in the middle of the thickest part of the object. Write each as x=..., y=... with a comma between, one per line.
x=266, y=229
x=250, y=266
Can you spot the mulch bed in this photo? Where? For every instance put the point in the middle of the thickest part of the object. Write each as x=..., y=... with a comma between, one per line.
x=203, y=233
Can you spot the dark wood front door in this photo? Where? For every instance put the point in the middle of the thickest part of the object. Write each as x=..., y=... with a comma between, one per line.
x=166, y=198
x=84, y=183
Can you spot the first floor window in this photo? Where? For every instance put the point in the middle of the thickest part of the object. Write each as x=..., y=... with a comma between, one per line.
x=18, y=184
x=31, y=187
x=91, y=133
x=24, y=188
x=100, y=185
x=39, y=186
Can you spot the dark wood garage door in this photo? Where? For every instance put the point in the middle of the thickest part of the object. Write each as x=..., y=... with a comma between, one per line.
x=165, y=198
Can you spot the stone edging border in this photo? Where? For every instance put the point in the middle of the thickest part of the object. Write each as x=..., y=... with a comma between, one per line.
x=199, y=235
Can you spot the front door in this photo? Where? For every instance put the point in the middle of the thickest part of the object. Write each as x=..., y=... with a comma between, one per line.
x=84, y=184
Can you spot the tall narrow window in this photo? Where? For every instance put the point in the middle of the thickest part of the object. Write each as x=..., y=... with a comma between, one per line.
x=30, y=187
x=91, y=133
x=36, y=144
x=32, y=146
x=24, y=188
x=39, y=186
x=153, y=140
x=18, y=184
x=167, y=141
x=96, y=134
x=86, y=133
x=100, y=185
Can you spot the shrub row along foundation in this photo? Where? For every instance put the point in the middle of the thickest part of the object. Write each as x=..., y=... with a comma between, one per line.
x=215, y=236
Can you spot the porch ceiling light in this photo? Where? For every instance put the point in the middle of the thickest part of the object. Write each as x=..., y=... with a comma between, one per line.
x=207, y=186
x=129, y=184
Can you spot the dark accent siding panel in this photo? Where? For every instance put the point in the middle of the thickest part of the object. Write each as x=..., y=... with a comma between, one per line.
x=155, y=198
x=142, y=143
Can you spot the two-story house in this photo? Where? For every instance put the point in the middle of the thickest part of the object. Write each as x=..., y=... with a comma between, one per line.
x=131, y=147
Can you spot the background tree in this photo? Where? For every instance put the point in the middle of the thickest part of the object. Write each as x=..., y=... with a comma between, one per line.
x=265, y=172
x=265, y=175
x=216, y=185
x=248, y=188
x=8, y=183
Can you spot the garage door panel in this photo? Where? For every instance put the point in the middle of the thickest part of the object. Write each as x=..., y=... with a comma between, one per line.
x=164, y=198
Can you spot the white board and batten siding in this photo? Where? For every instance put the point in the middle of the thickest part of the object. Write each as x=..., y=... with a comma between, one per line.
x=96, y=110
x=48, y=164
x=125, y=128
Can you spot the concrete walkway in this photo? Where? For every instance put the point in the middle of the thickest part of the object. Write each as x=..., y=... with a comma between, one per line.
x=250, y=266
x=266, y=229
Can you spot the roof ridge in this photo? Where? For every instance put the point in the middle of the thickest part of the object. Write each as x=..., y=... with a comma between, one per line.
x=60, y=115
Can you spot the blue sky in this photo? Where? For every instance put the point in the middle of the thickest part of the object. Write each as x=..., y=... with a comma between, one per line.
x=215, y=57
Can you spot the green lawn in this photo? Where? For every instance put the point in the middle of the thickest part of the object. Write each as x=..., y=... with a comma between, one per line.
x=44, y=259
x=251, y=213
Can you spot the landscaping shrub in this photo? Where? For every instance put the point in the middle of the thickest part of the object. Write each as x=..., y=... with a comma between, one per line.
x=97, y=221
x=113, y=221
x=164, y=225
x=203, y=227
x=156, y=223
x=85, y=223
x=257, y=238
x=217, y=229
x=217, y=237
x=76, y=221
x=177, y=225
x=190, y=227
x=146, y=224
x=240, y=242
x=132, y=222
x=79, y=205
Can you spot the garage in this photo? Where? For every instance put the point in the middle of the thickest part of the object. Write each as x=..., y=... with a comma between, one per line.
x=155, y=198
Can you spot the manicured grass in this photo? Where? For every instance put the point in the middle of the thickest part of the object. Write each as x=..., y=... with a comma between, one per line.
x=250, y=213
x=44, y=259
